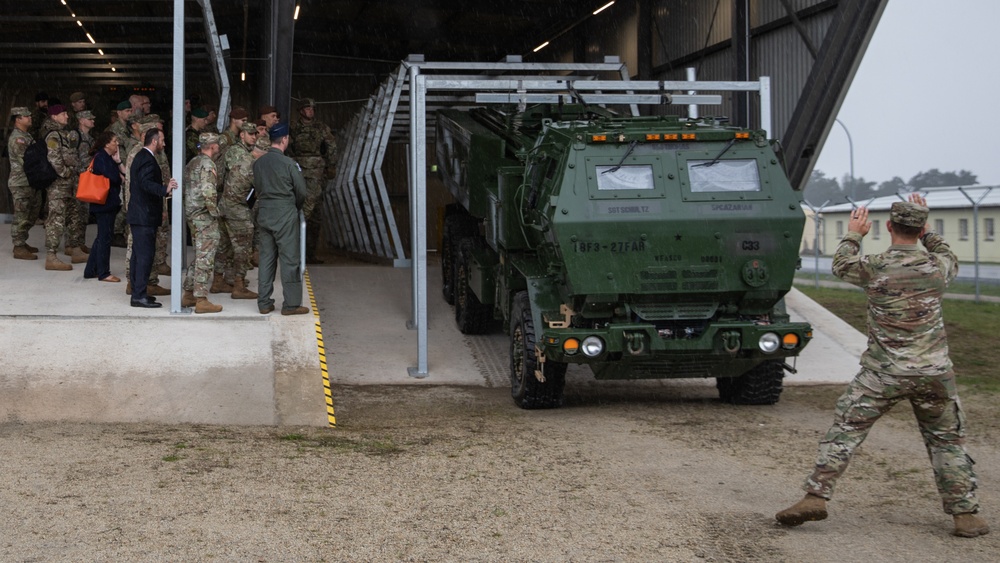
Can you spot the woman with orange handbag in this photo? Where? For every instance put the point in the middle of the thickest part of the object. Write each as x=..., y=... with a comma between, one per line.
x=107, y=163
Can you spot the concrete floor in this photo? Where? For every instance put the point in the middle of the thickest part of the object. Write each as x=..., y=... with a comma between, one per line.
x=75, y=350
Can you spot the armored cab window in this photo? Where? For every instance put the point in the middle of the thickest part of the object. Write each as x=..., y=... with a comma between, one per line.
x=724, y=176
x=625, y=177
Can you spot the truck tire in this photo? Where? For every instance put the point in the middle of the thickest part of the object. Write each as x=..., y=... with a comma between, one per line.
x=456, y=227
x=526, y=390
x=760, y=386
x=471, y=315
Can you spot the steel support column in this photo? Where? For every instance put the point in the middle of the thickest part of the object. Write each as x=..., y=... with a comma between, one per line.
x=839, y=57
x=177, y=162
x=276, y=80
x=741, y=61
x=418, y=183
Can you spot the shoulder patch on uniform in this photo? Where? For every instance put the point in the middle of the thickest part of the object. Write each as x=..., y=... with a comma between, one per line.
x=19, y=140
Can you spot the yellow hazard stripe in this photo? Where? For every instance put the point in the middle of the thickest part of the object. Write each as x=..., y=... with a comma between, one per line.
x=330, y=415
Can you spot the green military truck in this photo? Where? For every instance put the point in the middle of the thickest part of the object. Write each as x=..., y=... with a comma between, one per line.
x=644, y=247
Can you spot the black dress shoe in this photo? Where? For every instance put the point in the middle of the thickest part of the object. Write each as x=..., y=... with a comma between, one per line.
x=148, y=303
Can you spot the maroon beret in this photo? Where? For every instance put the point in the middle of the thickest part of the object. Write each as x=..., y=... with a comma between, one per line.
x=57, y=109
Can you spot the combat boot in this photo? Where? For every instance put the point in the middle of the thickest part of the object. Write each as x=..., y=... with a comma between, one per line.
x=163, y=270
x=219, y=285
x=22, y=253
x=31, y=249
x=255, y=259
x=52, y=262
x=203, y=305
x=85, y=248
x=156, y=290
x=188, y=299
x=240, y=290
x=128, y=289
x=968, y=525
x=78, y=256
x=295, y=311
x=809, y=509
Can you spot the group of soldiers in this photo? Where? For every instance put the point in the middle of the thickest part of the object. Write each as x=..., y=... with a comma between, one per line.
x=218, y=195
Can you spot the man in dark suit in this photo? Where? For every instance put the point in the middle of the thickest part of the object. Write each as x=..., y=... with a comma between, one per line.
x=145, y=212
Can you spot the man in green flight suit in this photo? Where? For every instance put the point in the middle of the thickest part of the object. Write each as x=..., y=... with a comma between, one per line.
x=281, y=192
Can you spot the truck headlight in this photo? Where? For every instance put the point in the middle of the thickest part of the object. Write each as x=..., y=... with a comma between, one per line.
x=769, y=342
x=592, y=346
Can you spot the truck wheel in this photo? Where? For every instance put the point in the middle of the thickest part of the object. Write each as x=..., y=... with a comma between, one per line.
x=760, y=386
x=471, y=315
x=456, y=227
x=527, y=391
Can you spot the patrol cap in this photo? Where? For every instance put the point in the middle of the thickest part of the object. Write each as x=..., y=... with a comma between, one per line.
x=238, y=113
x=208, y=139
x=279, y=130
x=85, y=114
x=200, y=113
x=307, y=103
x=908, y=213
x=20, y=112
x=263, y=143
x=144, y=127
x=57, y=109
x=248, y=127
x=264, y=110
x=77, y=96
x=122, y=106
x=151, y=118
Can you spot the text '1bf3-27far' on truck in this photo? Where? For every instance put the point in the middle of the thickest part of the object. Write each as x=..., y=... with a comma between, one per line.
x=644, y=247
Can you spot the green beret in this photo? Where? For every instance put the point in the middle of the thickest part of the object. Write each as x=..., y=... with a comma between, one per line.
x=122, y=106
x=199, y=113
x=77, y=96
x=908, y=213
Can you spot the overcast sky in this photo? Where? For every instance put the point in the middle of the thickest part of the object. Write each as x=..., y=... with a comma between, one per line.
x=925, y=96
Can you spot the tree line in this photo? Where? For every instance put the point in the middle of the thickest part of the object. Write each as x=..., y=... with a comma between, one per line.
x=822, y=189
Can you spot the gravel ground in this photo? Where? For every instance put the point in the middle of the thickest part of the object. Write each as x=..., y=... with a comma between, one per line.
x=622, y=473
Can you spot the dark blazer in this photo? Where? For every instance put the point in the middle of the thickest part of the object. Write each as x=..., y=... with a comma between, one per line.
x=146, y=191
x=105, y=166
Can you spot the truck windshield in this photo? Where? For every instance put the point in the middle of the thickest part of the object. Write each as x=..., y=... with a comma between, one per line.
x=724, y=176
x=625, y=178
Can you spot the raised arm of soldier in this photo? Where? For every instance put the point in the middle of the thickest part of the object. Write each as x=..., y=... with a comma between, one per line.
x=848, y=264
x=935, y=244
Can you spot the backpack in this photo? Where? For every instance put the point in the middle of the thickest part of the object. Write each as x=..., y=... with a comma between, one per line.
x=37, y=167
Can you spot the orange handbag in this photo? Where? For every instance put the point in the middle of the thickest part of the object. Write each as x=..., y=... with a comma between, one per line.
x=93, y=188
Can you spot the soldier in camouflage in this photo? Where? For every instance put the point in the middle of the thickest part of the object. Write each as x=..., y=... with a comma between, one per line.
x=65, y=161
x=907, y=358
x=202, y=213
x=312, y=145
x=199, y=122
x=77, y=228
x=123, y=131
x=27, y=200
x=236, y=222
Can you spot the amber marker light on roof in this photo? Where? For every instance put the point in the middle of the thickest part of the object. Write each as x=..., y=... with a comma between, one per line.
x=598, y=138
x=670, y=136
x=688, y=136
x=652, y=136
x=743, y=135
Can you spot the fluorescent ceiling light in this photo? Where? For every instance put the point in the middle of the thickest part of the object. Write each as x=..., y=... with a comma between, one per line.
x=91, y=39
x=296, y=16
x=604, y=7
x=540, y=47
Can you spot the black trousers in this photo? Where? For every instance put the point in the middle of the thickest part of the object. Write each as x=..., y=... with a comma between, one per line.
x=99, y=261
x=141, y=264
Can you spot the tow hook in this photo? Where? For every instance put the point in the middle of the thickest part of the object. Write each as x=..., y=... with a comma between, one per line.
x=731, y=341
x=636, y=342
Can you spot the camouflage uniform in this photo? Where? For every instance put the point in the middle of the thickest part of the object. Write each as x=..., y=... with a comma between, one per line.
x=907, y=358
x=126, y=146
x=191, y=143
x=202, y=213
x=66, y=162
x=160, y=262
x=27, y=200
x=236, y=223
x=311, y=140
x=77, y=229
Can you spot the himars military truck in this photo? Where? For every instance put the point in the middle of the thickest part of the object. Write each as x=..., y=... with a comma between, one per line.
x=644, y=247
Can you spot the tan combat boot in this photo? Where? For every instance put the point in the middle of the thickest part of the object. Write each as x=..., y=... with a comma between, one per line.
x=52, y=262
x=203, y=305
x=31, y=249
x=163, y=270
x=128, y=289
x=295, y=311
x=78, y=256
x=255, y=259
x=219, y=285
x=22, y=253
x=240, y=290
x=968, y=525
x=809, y=509
x=188, y=299
x=157, y=290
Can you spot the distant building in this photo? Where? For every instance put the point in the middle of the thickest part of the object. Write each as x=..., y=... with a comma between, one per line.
x=952, y=215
